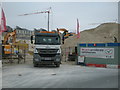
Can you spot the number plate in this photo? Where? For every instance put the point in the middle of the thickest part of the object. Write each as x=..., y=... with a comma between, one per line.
x=47, y=58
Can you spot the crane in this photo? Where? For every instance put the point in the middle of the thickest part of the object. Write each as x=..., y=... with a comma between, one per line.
x=47, y=11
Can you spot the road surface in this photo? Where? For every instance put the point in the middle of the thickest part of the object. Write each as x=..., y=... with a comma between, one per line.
x=66, y=76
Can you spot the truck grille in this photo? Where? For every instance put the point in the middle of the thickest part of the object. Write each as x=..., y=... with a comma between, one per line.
x=47, y=55
x=47, y=51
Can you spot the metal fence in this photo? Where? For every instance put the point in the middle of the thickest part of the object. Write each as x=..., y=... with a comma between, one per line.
x=17, y=54
x=69, y=53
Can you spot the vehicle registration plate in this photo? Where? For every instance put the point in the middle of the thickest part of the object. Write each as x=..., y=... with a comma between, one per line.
x=47, y=58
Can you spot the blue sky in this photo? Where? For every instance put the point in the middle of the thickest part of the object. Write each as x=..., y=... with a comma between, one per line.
x=63, y=15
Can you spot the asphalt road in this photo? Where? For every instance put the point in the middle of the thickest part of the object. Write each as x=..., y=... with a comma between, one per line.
x=66, y=76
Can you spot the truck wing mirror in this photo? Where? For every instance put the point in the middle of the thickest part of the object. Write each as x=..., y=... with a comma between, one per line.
x=63, y=41
x=31, y=39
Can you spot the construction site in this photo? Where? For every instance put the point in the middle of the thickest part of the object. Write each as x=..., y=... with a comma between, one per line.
x=59, y=58
x=104, y=33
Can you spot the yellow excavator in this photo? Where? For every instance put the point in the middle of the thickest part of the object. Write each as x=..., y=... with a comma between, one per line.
x=9, y=40
x=65, y=33
x=9, y=44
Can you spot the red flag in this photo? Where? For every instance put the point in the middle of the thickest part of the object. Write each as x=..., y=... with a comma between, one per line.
x=78, y=32
x=3, y=22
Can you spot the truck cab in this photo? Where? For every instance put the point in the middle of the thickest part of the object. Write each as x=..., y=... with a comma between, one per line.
x=46, y=48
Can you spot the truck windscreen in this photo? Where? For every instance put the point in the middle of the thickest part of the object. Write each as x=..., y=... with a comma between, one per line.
x=47, y=40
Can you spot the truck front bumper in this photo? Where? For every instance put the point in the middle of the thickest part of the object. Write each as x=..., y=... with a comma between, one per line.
x=47, y=60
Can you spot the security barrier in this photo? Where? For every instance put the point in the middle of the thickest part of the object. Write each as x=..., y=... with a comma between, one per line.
x=99, y=54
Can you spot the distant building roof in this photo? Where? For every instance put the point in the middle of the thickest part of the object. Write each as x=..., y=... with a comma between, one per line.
x=17, y=27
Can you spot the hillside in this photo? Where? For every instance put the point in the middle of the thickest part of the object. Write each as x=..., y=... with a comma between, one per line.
x=104, y=33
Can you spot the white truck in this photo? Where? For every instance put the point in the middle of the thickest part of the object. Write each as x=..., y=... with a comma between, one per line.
x=46, y=48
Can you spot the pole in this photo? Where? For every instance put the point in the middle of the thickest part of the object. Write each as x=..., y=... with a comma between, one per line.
x=18, y=55
x=48, y=20
x=24, y=54
x=0, y=37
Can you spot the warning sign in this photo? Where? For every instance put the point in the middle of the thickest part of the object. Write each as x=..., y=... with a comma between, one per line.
x=81, y=59
x=97, y=52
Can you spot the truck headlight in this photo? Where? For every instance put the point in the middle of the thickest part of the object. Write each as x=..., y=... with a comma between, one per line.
x=58, y=51
x=57, y=59
x=36, y=57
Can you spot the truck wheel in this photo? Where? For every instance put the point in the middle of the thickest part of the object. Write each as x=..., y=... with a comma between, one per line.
x=35, y=65
x=57, y=65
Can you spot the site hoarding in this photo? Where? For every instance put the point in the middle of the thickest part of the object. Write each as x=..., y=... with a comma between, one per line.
x=97, y=52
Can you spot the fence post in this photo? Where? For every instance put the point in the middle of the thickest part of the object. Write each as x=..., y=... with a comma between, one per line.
x=65, y=54
x=24, y=55
x=18, y=55
x=11, y=55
